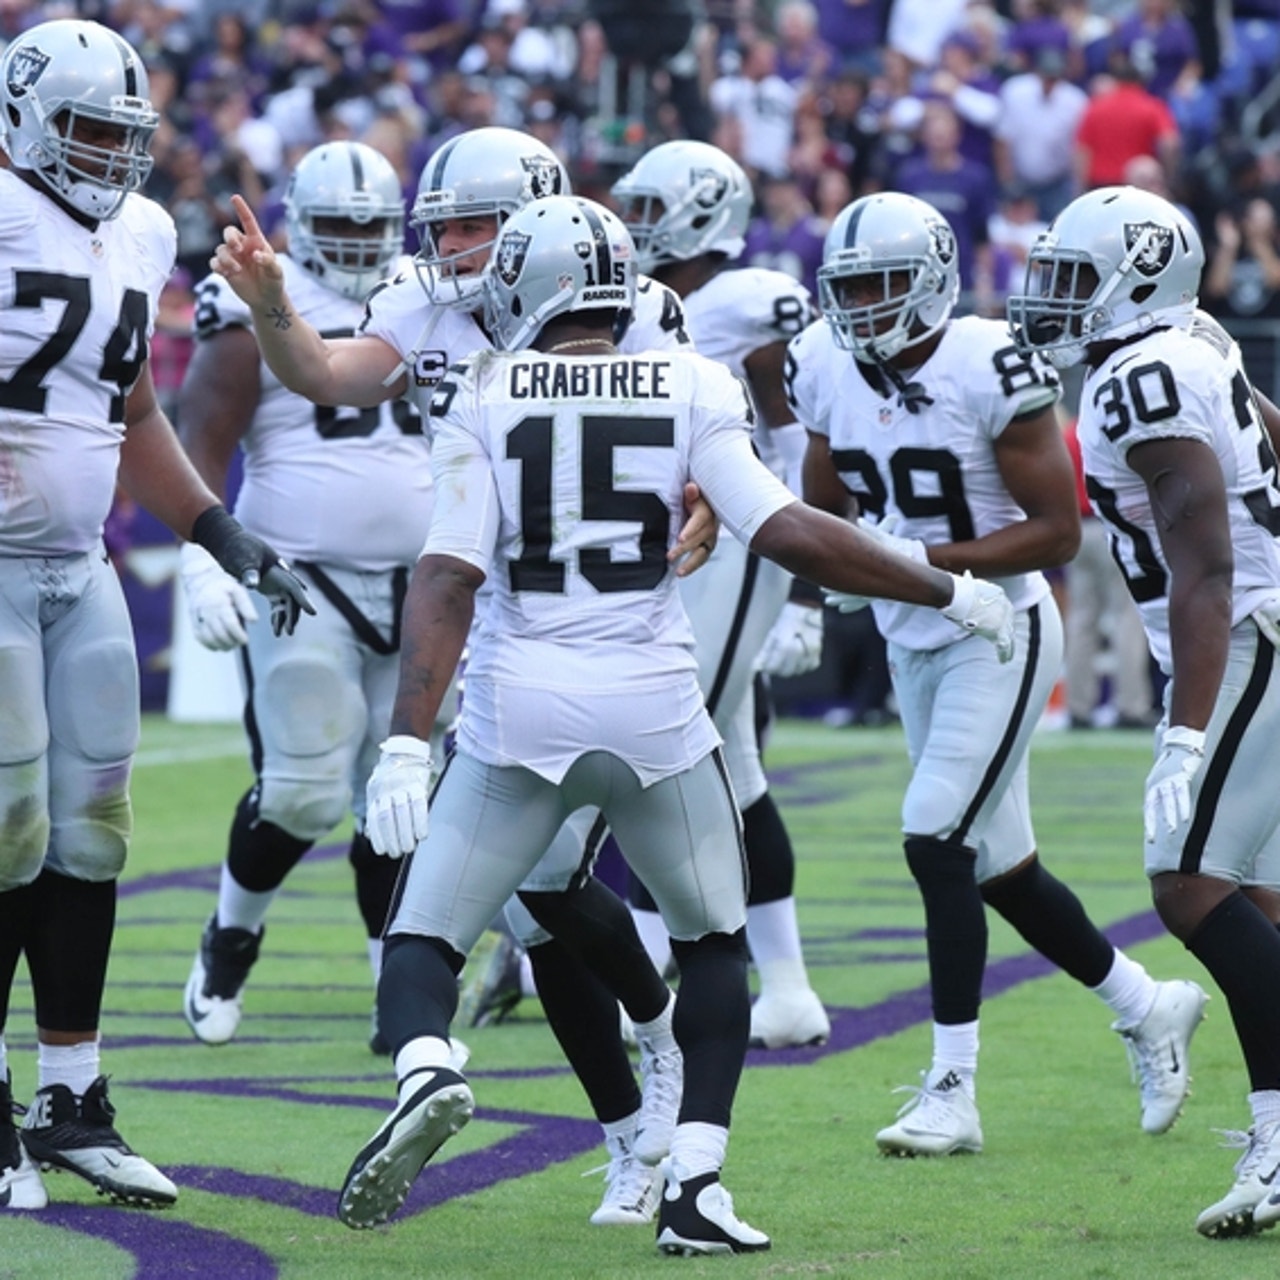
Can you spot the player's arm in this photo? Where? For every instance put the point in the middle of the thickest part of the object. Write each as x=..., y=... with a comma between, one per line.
x=1189, y=505
x=1036, y=468
x=337, y=371
x=765, y=368
x=218, y=400
x=823, y=487
x=438, y=610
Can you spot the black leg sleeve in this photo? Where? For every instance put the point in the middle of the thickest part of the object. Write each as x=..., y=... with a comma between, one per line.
x=418, y=988
x=771, y=861
x=376, y=878
x=259, y=854
x=68, y=947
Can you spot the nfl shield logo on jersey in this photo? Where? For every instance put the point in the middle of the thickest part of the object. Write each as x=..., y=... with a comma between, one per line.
x=25, y=68
x=544, y=176
x=1155, y=251
x=511, y=255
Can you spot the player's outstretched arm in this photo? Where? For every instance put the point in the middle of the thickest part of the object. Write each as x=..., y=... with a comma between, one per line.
x=341, y=371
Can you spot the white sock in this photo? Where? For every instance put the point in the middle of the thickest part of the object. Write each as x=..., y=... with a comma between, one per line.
x=240, y=908
x=420, y=1054
x=955, y=1048
x=375, y=958
x=773, y=933
x=75, y=1065
x=697, y=1148
x=656, y=1035
x=620, y=1135
x=782, y=975
x=654, y=935
x=1128, y=991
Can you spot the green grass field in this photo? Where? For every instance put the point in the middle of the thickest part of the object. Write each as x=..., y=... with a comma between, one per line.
x=259, y=1133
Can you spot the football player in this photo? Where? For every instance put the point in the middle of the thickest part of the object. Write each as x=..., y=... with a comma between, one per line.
x=416, y=326
x=559, y=475
x=346, y=495
x=1180, y=465
x=945, y=437
x=83, y=258
x=687, y=205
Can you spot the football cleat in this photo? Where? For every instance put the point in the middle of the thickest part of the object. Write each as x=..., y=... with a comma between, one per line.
x=631, y=1189
x=940, y=1120
x=661, y=1088
x=20, y=1183
x=436, y=1106
x=61, y=1131
x=491, y=982
x=1157, y=1049
x=211, y=1002
x=1246, y=1209
x=787, y=1017
x=696, y=1217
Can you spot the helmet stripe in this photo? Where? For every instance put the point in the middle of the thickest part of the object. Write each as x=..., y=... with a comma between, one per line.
x=130, y=61
x=851, y=230
x=437, y=170
x=604, y=258
x=357, y=169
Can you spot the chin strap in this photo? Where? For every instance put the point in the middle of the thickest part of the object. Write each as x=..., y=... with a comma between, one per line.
x=911, y=395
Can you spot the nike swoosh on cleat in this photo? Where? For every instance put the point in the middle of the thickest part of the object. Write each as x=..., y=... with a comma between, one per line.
x=194, y=1014
x=1268, y=1178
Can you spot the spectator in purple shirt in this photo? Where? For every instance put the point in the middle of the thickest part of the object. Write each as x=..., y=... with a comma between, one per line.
x=855, y=29
x=787, y=236
x=962, y=190
x=428, y=34
x=804, y=58
x=1160, y=43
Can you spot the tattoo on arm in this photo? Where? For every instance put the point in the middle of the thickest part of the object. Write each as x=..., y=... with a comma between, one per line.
x=280, y=317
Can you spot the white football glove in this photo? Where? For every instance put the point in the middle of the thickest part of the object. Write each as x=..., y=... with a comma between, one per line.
x=219, y=606
x=844, y=601
x=1168, y=793
x=396, y=796
x=884, y=534
x=982, y=609
x=794, y=643
x=1267, y=616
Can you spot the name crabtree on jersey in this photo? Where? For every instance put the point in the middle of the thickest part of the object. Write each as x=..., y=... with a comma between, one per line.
x=334, y=484
x=431, y=338
x=1134, y=396
x=936, y=468
x=97, y=290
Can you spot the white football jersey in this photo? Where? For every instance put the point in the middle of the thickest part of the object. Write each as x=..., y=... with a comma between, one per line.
x=935, y=469
x=1135, y=395
x=430, y=338
x=79, y=308
x=562, y=479
x=339, y=486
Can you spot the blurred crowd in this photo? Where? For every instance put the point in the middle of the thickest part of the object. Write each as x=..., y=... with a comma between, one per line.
x=997, y=112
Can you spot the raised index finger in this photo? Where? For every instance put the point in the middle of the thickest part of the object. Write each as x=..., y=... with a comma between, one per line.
x=245, y=214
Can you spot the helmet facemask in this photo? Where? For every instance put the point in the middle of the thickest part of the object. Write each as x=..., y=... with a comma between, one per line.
x=877, y=308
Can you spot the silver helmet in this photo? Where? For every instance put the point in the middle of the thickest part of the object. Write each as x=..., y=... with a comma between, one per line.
x=1116, y=261
x=68, y=86
x=344, y=213
x=889, y=276
x=485, y=173
x=557, y=255
x=684, y=199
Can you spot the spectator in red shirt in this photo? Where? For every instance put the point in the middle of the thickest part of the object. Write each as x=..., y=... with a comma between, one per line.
x=1122, y=121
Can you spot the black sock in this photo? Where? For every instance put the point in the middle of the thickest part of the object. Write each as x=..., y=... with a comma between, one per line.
x=1053, y=920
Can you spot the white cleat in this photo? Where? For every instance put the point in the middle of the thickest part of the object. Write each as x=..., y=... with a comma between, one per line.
x=696, y=1218
x=941, y=1120
x=1158, y=1050
x=1246, y=1209
x=787, y=1018
x=380, y=1177
x=20, y=1184
x=632, y=1190
x=661, y=1088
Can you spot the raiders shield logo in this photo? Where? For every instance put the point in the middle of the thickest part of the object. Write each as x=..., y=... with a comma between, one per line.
x=1157, y=251
x=512, y=251
x=543, y=176
x=944, y=242
x=708, y=187
x=24, y=69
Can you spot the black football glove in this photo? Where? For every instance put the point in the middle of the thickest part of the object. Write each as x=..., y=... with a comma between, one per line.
x=253, y=564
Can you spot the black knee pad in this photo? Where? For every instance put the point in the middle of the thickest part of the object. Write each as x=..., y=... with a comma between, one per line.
x=260, y=854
